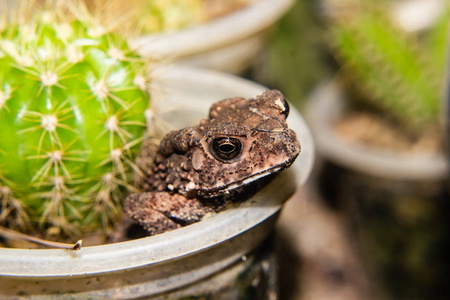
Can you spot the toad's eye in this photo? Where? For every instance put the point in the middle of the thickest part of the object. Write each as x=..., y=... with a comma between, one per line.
x=286, y=108
x=226, y=148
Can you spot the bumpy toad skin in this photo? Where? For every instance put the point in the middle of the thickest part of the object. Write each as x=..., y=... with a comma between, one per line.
x=241, y=141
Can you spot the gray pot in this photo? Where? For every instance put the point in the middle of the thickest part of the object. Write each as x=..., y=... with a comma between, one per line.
x=326, y=105
x=228, y=44
x=220, y=256
x=395, y=204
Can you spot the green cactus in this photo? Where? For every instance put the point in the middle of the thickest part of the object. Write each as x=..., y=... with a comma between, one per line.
x=73, y=98
x=169, y=15
x=392, y=68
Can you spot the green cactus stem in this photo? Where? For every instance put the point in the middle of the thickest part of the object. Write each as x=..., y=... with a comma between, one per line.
x=392, y=68
x=73, y=98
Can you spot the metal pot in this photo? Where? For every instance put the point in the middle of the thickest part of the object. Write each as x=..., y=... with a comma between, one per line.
x=220, y=257
x=228, y=44
x=393, y=203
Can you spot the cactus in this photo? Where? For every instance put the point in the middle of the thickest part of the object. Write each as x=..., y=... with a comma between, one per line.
x=390, y=66
x=159, y=16
x=170, y=15
x=73, y=98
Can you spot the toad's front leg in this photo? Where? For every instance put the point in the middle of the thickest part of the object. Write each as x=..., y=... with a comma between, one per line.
x=159, y=212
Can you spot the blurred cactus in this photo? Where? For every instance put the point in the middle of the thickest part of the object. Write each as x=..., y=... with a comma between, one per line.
x=399, y=72
x=158, y=16
x=73, y=98
x=169, y=15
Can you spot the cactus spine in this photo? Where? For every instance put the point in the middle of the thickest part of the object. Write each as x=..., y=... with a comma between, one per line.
x=73, y=96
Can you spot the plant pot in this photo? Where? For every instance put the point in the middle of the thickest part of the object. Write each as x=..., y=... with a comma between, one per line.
x=220, y=257
x=229, y=43
x=395, y=203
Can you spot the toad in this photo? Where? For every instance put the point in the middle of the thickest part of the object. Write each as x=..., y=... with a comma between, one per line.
x=240, y=143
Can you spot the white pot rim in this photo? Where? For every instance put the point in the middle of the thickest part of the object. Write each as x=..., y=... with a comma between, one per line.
x=230, y=28
x=185, y=241
x=325, y=105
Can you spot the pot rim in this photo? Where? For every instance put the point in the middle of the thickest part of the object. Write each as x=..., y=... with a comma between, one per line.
x=233, y=27
x=327, y=104
x=184, y=241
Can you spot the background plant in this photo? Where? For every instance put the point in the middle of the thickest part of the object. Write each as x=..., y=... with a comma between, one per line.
x=170, y=15
x=73, y=98
x=400, y=73
x=158, y=16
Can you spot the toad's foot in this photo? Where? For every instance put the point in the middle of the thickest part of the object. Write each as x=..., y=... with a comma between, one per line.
x=159, y=212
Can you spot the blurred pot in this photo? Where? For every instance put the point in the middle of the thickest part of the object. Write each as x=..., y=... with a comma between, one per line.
x=228, y=44
x=395, y=203
x=327, y=105
x=221, y=257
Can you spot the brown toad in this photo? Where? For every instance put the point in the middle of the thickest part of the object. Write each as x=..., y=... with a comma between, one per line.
x=241, y=142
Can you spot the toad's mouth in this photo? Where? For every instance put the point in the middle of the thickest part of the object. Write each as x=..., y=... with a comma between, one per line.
x=226, y=189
